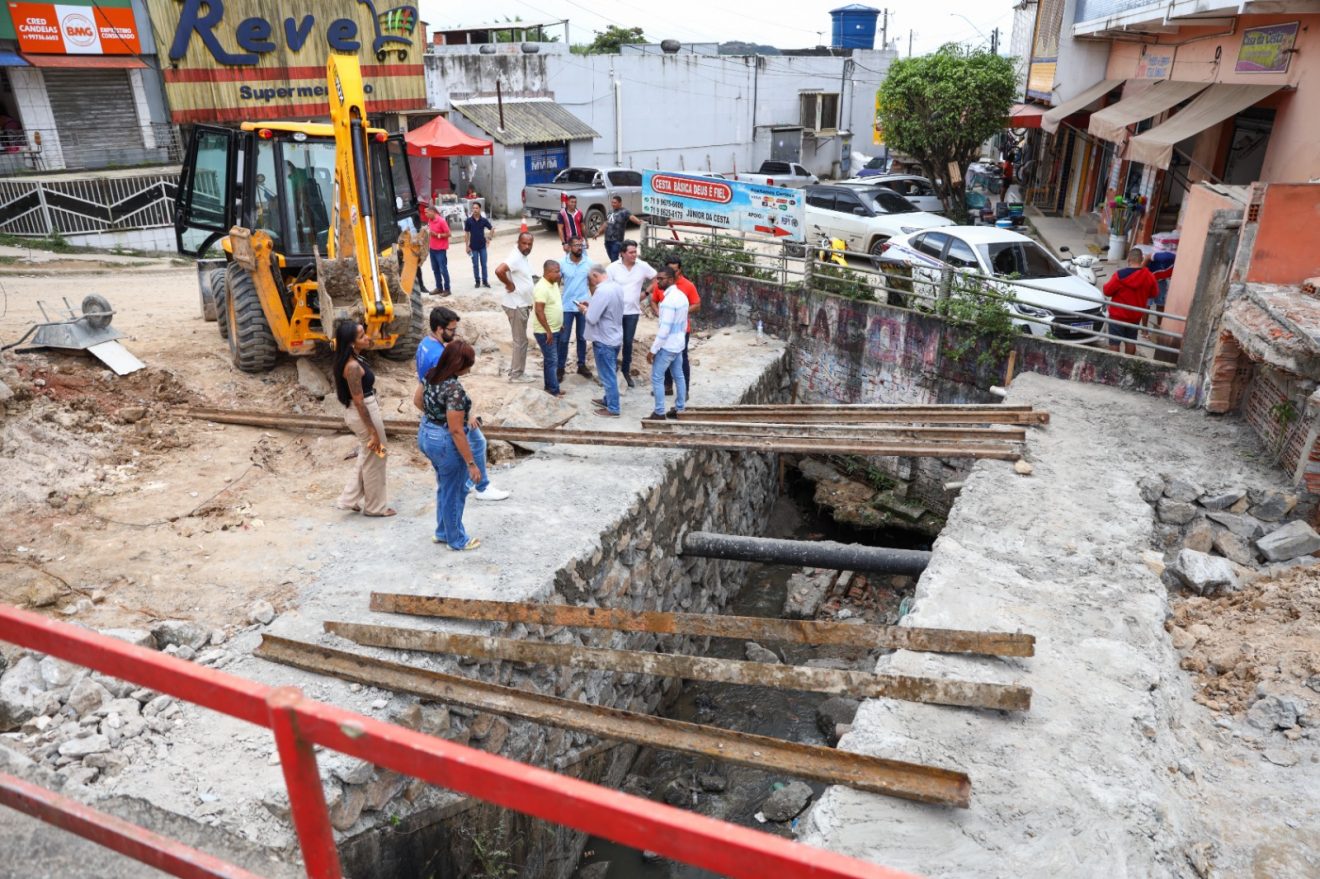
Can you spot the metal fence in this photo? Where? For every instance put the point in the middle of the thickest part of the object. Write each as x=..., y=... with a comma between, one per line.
x=942, y=290
x=42, y=150
x=44, y=207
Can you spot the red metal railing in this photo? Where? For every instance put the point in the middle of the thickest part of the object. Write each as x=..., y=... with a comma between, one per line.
x=299, y=724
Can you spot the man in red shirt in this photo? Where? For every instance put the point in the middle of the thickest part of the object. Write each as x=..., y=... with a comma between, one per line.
x=1132, y=286
x=570, y=222
x=683, y=283
x=439, y=233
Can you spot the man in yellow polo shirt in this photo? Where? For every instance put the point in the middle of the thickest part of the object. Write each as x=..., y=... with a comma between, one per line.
x=548, y=302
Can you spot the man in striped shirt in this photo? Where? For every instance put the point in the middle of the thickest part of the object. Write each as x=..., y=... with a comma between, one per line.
x=570, y=222
x=666, y=354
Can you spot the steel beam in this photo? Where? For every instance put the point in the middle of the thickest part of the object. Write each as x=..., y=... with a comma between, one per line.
x=912, y=781
x=855, y=684
x=764, y=444
x=710, y=625
x=806, y=553
x=888, y=431
x=789, y=415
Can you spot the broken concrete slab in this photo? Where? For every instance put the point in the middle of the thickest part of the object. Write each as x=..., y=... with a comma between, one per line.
x=1294, y=540
x=1204, y=574
x=1176, y=512
x=533, y=407
x=1272, y=712
x=1243, y=526
x=312, y=379
x=1273, y=506
x=787, y=802
x=834, y=711
x=180, y=633
x=1218, y=501
x=1234, y=548
x=1200, y=536
x=1182, y=490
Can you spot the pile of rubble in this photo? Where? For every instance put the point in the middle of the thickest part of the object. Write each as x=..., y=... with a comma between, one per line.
x=1219, y=540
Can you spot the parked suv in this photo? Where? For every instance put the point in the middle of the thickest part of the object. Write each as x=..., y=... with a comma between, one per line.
x=863, y=217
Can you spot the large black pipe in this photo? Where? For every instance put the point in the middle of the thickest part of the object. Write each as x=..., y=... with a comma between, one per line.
x=807, y=553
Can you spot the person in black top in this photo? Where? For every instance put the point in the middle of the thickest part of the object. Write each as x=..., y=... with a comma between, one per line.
x=444, y=439
x=615, y=228
x=475, y=229
x=355, y=386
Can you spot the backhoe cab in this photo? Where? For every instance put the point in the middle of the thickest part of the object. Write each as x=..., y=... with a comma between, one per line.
x=307, y=216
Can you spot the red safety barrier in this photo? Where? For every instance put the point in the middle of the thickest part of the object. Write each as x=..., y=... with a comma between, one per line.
x=299, y=723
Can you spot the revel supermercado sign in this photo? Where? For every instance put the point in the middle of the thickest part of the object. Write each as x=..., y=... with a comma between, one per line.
x=231, y=60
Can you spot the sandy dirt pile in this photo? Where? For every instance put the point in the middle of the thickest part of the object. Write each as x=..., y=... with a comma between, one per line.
x=1265, y=635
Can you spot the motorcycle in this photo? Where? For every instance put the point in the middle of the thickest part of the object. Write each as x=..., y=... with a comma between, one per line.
x=1082, y=265
x=833, y=250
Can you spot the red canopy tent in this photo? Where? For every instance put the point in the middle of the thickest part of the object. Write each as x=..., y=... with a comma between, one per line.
x=430, y=148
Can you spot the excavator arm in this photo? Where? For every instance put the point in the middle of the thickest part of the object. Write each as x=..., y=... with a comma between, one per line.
x=352, y=226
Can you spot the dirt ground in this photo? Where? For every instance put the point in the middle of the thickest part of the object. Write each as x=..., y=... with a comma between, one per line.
x=119, y=510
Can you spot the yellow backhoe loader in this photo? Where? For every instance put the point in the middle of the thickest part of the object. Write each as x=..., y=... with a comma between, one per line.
x=310, y=218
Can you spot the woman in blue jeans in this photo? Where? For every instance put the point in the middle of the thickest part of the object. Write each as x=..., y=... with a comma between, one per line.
x=443, y=438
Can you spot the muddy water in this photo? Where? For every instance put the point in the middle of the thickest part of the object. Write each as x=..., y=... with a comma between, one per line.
x=692, y=782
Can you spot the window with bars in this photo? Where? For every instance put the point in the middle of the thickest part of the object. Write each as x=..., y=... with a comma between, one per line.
x=820, y=111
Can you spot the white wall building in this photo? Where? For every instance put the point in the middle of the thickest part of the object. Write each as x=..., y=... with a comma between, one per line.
x=693, y=112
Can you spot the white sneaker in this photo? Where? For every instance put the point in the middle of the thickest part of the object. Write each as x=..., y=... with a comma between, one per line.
x=522, y=380
x=490, y=494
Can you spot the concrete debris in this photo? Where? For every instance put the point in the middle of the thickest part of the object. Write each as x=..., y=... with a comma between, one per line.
x=312, y=379
x=349, y=770
x=131, y=414
x=756, y=653
x=1200, y=536
x=1022, y=468
x=1154, y=561
x=1292, y=541
x=712, y=782
x=1202, y=573
x=88, y=696
x=834, y=711
x=1280, y=757
x=136, y=637
x=787, y=802
x=1181, y=490
x=1243, y=526
x=57, y=673
x=180, y=633
x=1274, y=506
x=1222, y=500
x=1176, y=512
x=532, y=407
x=261, y=612
x=1234, y=548
x=22, y=689
x=1272, y=712
x=806, y=592
x=348, y=807
x=384, y=788
x=76, y=748
x=1151, y=488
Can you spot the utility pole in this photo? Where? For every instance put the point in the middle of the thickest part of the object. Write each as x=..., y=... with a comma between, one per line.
x=909, y=43
x=994, y=42
x=884, y=30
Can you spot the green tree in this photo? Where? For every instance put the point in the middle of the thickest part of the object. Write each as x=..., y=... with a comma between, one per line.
x=940, y=108
x=608, y=41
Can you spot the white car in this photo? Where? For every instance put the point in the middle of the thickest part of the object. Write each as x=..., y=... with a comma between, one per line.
x=918, y=190
x=864, y=217
x=1038, y=284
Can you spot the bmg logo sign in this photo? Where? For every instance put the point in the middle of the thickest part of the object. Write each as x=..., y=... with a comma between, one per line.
x=78, y=29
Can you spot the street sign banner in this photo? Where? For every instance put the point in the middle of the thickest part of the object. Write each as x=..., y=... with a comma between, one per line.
x=726, y=204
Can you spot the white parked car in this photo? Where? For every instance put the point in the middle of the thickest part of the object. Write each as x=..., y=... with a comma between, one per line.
x=918, y=190
x=863, y=217
x=1038, y=284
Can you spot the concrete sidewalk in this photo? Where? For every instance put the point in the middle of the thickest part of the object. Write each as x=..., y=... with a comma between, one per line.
x=1056, y=232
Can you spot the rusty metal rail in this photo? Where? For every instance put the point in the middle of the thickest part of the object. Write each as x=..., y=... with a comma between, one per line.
x=766, y=444
x=299, y=725
x=856, y=684
x=895, y=778
x=710, y=625
x=878, y=430
x=848, y=415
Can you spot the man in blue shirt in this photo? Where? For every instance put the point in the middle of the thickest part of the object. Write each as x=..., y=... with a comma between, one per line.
x=574, y=268
x=475, y=229
x=444, y=329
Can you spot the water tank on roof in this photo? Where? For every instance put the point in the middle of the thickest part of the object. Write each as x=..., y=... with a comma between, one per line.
x=854, y=27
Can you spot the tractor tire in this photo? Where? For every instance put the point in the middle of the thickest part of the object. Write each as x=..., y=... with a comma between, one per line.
x=220, y=295
x=252, y=345
x=410, y=338
x=215, y=279
x=592, y=222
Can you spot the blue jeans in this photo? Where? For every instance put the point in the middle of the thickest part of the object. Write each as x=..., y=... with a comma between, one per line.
x=549, y=343
x=572, y=317
x=687, y=370
x=629, y=330
x=612, y=249
x=440, y=267
x=477, y=442
x=668, y=363
x=479, y=262
x=450, y=480
x=607, y=359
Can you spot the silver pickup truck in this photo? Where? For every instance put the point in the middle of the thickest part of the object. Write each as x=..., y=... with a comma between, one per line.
x=789, y=175
x=594, y=187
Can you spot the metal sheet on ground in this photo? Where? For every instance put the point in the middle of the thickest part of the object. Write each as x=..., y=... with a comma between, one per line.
x=711, y=625
x=117, y=357
x=855, y=684
x=912, y=781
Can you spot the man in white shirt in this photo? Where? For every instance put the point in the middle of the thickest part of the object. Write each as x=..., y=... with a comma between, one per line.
x=515, y=273
x=666, y=354
x=635, y=277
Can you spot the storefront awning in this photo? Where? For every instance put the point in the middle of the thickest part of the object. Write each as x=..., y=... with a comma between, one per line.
x=1111, y=123
x=88, y=62
x=10, y=58
x=1025, y=115
x=1212, y=106
x=1055, y=115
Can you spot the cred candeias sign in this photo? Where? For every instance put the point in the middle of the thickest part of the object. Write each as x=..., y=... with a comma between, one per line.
x=76, y=27
x=233, y=60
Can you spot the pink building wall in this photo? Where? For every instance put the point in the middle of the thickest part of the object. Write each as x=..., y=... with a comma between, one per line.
x=1199, y=208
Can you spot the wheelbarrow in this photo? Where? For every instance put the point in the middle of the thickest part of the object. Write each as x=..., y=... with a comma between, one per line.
x=88, y=331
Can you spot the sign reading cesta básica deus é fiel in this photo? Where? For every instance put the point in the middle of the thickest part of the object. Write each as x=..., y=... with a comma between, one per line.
x=235, y=60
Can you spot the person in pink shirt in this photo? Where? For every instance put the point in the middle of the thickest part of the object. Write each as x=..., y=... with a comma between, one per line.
x=439, y=230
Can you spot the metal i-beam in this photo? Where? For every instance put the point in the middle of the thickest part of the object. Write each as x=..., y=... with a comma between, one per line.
x=912, y=781
x=710, y=625
x=790, y=415
x=855, y=684
x=806, y=553
x=881, y=430
x=765, y=444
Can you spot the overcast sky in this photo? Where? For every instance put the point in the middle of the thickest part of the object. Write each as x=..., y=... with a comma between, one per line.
x=933, y=22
